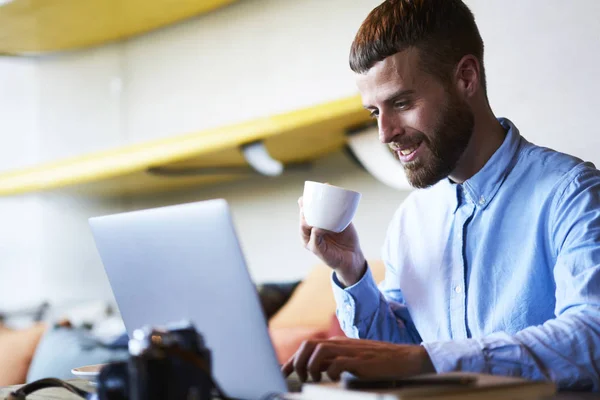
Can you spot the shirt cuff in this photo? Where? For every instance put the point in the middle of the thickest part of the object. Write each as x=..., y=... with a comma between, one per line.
x=357, y=302
x=457, y=355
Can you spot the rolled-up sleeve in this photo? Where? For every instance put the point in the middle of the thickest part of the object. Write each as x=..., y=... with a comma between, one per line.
x=365, y=312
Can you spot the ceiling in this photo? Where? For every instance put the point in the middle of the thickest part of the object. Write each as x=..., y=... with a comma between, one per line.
x=40, y=26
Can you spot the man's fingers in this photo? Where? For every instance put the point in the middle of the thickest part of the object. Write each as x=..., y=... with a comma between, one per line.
x=305, y=229
x=301, y=358
x=320, y=359
x=315, y=241
x=312, y=238
x=339, y=365
x=314, y=357
x=288, y=367
x=320, y=232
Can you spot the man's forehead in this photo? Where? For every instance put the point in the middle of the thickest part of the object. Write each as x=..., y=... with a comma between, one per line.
x=396, y=72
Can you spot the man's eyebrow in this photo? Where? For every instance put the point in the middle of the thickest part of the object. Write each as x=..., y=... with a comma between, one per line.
x=398, y=94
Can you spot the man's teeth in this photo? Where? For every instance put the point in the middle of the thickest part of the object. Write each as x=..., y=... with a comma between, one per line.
x=406, y=152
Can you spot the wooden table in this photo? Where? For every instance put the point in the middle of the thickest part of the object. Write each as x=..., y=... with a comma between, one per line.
x=62, y=394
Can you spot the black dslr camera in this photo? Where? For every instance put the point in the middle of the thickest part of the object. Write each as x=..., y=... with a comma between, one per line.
x=163, y=364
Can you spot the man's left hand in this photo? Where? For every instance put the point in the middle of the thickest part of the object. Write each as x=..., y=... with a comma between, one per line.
x=363, y=358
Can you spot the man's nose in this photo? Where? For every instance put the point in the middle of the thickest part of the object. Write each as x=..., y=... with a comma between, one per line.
x=389, y=129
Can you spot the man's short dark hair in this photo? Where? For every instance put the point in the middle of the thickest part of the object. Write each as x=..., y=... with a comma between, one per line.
x=443, y=31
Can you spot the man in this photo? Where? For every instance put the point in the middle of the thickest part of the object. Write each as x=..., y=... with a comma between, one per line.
x=494, y=265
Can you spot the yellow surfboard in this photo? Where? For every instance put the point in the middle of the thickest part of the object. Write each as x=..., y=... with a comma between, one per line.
x=37, y=26
x=195, y=159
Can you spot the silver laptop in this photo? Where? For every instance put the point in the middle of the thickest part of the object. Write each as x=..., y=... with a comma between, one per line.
x=184, y=262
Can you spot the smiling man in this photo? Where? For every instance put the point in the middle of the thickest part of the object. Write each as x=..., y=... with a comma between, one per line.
x=494, y=266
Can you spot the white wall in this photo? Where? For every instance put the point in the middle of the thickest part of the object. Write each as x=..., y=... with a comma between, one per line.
x=80, y=102
x=81, y=111
x=542, y=65
x=54, y=107
x=254, y=58
x=20, y=225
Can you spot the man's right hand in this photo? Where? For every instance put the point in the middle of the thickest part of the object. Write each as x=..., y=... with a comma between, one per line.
x=340, y=251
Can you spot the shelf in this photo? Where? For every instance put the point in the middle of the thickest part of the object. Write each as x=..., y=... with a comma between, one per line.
x=38, y=26
x=195, y=159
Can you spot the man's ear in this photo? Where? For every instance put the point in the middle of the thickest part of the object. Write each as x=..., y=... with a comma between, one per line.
x=468, y=76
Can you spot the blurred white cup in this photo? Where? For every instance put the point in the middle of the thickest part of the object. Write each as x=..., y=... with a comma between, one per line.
x=329, y=207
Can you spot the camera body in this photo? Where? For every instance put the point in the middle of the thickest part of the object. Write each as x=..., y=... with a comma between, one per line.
x=171, y=363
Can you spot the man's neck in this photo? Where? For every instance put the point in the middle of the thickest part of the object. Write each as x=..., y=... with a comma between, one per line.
x=488, y=136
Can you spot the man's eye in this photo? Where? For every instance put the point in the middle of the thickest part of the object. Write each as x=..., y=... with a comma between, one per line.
x=401, y=105
x=375, y=114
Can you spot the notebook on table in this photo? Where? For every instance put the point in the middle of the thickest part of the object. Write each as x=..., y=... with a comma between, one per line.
x=483, y=386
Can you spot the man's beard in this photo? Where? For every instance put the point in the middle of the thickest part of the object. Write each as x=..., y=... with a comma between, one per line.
x=447, y=143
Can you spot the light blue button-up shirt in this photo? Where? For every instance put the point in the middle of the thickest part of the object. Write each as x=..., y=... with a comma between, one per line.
x=500, y=274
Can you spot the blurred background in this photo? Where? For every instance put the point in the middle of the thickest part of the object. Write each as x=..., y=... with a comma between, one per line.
x=78, y=79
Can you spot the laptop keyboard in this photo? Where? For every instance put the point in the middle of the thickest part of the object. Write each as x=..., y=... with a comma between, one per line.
x=294, y=384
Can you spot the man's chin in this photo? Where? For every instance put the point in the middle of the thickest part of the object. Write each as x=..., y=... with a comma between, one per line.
x=422, y=179
x=418, y=184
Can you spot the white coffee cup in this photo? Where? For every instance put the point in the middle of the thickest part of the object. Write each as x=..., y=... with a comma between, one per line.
x=329, y=207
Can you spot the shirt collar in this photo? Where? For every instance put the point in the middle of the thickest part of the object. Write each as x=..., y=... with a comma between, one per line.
x=481, y=188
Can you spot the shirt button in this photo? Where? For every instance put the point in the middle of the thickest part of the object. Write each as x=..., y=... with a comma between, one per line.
x=458, y=289
x=348, y=307
x=481, y=200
